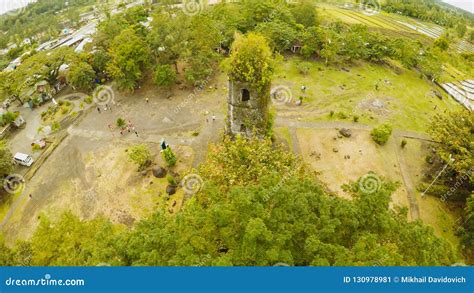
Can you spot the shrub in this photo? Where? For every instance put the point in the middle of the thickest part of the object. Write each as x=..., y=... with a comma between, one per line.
x=381, y=134
x=140, y=155
x=171, y=180
x=121, y=123
x=356, y=118
x=55, y=126
x=341, y=115
x=404, y=143
x=88, y=100
x=9, y=117
x=35, y=147
x=169, y=157
x=304, y=67
x=64, y=109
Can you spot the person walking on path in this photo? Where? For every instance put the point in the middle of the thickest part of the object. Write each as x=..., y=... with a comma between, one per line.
x=147, y=100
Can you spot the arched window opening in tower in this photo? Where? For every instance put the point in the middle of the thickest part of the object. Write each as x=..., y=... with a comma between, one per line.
x=245, y=95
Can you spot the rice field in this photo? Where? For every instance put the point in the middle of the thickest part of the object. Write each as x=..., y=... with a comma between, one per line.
x=398, y=24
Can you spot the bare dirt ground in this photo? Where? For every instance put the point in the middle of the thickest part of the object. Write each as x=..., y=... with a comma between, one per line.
x=319, y=150
x=89, y=172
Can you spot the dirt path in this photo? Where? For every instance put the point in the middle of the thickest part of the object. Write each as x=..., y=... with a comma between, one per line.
x=294, y=139
x=341, y=124
x=410, y=188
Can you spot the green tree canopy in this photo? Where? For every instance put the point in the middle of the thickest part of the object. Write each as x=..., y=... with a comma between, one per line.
x=251, y=61
x=6, y=157
x=72, y=242
x=455, y=133
x=129, y=55
x=81, y=75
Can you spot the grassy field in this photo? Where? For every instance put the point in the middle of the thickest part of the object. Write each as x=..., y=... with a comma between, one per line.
x=375, y=93
x=6, y=202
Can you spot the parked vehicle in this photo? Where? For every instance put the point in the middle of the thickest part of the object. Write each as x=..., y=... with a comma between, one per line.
x=23, y=159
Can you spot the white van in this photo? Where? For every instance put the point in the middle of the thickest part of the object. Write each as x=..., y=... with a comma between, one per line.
x=23, y=159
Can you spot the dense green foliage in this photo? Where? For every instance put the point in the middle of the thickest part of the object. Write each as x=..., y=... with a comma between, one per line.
x=467, y=229
x=429, y=10
x=241, y=162
x=251, y=61
x=129, y=56
x=455, y=134
x=165, y=75
x=81, y=75
x=6, y=157
x=71, y=242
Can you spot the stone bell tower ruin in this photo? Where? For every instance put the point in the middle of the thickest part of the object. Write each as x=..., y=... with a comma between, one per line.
x=247, y=109
x=250, y=69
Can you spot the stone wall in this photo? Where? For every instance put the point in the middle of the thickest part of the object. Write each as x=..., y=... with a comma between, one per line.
x=247, y=117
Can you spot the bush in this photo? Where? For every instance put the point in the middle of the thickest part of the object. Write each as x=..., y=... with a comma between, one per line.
x=171, y=180
x=169, y=157
x=341, y=115
x=9, y=117
x=35, y=147
x=381, y=134
x=55, y=126
x=304, y=67
x=140, y=155
x=356, y=118
x=121, y=123
x=88, y=100
x=404, y=143
x=64, y=109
